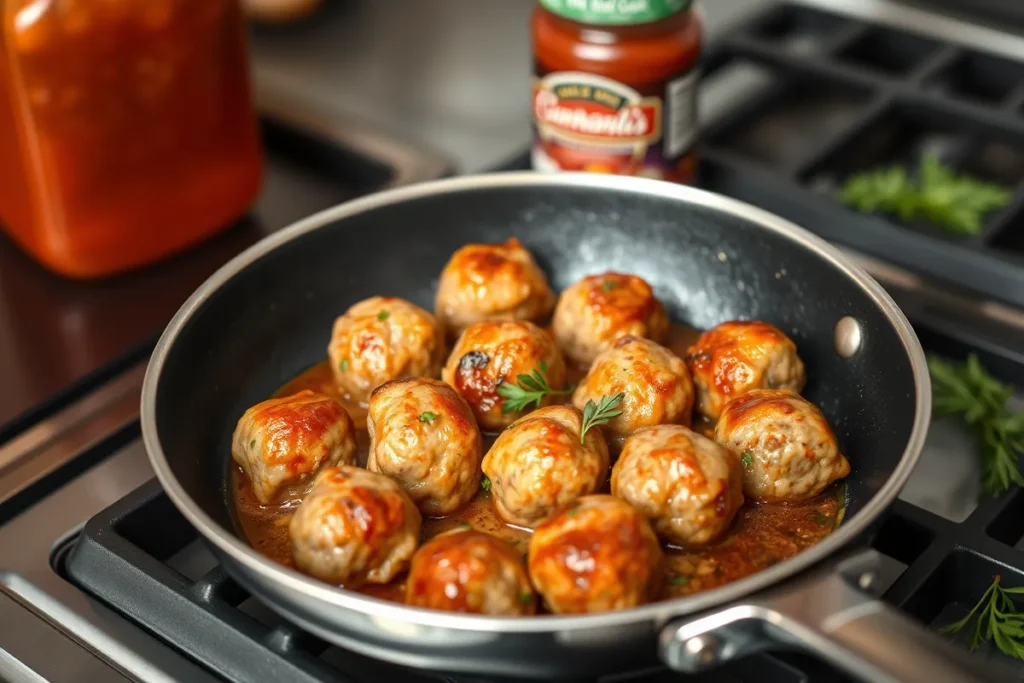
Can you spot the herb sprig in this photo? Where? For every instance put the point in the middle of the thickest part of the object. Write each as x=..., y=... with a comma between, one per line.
x=998, y=621
x=601, y=412
x=955, y=202
x=528, y=389
x=971, y=392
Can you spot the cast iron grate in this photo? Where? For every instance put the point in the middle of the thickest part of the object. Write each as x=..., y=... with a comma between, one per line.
x=143, y=558
x=825, y=95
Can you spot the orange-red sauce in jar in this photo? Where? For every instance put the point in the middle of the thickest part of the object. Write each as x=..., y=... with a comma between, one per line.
x=615, y=87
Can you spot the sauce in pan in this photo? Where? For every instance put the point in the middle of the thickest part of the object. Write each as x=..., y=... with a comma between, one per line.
x=761, y=534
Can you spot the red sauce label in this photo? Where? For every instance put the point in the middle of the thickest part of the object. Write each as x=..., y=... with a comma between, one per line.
x=584, y=122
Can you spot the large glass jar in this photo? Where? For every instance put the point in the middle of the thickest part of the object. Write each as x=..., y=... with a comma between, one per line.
x=127, y=130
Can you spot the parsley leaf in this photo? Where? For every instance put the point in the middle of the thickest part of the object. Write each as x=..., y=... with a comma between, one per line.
x=485, y=484
x=428, y=416
x=998, y=621
x=600, y=413
x=747, y=458
x=955, y=202
x=527, y=389
x=383, y=315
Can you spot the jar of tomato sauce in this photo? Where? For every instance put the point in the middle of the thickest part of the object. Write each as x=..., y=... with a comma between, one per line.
x=614, y=87
x=127, y=130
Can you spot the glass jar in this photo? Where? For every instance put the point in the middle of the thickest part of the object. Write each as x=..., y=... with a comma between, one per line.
x=127, y=130
x=615, y=87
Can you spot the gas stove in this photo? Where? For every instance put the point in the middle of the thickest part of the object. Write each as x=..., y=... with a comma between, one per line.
x=102, y=580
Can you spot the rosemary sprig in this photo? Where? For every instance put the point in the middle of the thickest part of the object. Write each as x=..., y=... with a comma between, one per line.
x=998, y=621
x=528, y=389
x=970, y=391
x=601, y=412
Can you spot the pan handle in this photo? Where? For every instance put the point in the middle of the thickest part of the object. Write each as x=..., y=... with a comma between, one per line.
x=830, y=617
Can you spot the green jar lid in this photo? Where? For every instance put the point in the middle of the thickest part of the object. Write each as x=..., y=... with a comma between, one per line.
x=614, y=12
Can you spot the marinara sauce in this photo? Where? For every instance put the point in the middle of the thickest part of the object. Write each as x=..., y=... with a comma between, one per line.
x=614, y=87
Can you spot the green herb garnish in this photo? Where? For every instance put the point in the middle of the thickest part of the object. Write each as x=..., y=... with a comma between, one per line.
x=526, y=597
x=955, y=202
x=747, y=458
x=600, y=413
x=383, y=315
x=609, y=285
x=252, y=444
x=968, y=390
x=463, y=527
x=998, y=621
x=528, y=389
x=572, y=512
x=680, y=580
x=485, y=484
x=428, y=416
x=343, y=365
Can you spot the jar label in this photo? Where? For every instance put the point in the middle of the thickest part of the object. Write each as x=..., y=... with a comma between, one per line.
x=584, y=122
x=609, y=12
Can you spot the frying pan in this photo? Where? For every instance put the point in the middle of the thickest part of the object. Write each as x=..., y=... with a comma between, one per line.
x=267, y=315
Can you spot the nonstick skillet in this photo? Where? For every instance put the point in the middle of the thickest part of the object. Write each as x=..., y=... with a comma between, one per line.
x=266, y=316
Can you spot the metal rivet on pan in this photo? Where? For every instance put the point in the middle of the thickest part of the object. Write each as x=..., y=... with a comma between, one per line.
x=848, y=337
x=703, y=648
x=866, y=581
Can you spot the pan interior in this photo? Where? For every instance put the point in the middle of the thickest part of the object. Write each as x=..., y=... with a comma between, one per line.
x=273, y=319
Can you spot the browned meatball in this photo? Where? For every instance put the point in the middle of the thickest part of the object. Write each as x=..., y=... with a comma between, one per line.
x=384, y=338
x=492, y=282
x=470, y=571
x=738, y=356
x=539, y=464
x=423, y=435
x=490, y=353
x=598, y=555
x=655, y=384
x=595, y=311
x=787, y=449
x=282, y=443
x=688, y=486
x=354, y=527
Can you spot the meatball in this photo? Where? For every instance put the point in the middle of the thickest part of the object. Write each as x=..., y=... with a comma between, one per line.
x=282, y=443
x=490, y=353
x=787, y=450
x=655, y=384
x=738, y=356
x=539, y=464
x=595, y=311
x=598, y=555
x=470, y=571
x=688, y=486
x=382, y=338
x=354, y=527
x=492, y=282
x=423, y=435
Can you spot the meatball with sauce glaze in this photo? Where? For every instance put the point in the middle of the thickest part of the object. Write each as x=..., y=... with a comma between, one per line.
x=655, y=382
x=737, y=356
x=281, y=443
x=787, y=449
x=539, y=464
x=472, y=572
x=688, y=486
x=492, y=282
x=423, y=435
x=598, y=555
x=490, y=353
x=383, y=338
x=595, y=311
x=354, y=527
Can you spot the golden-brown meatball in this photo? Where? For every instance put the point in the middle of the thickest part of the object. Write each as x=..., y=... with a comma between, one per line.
x=595, y=311
x=384, y=338
x=354, y=527
x=688, y=486
x=738, y=356
x=423, y=435
x=492, y=282
x=470, y=571
x=283, y=442
x=539, y=464
x=655, y=384
x=490, y=353
x=787, y=449
x=598, y=555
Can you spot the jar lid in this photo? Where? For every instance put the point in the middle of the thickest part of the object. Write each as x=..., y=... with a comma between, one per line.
x=616, y=12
